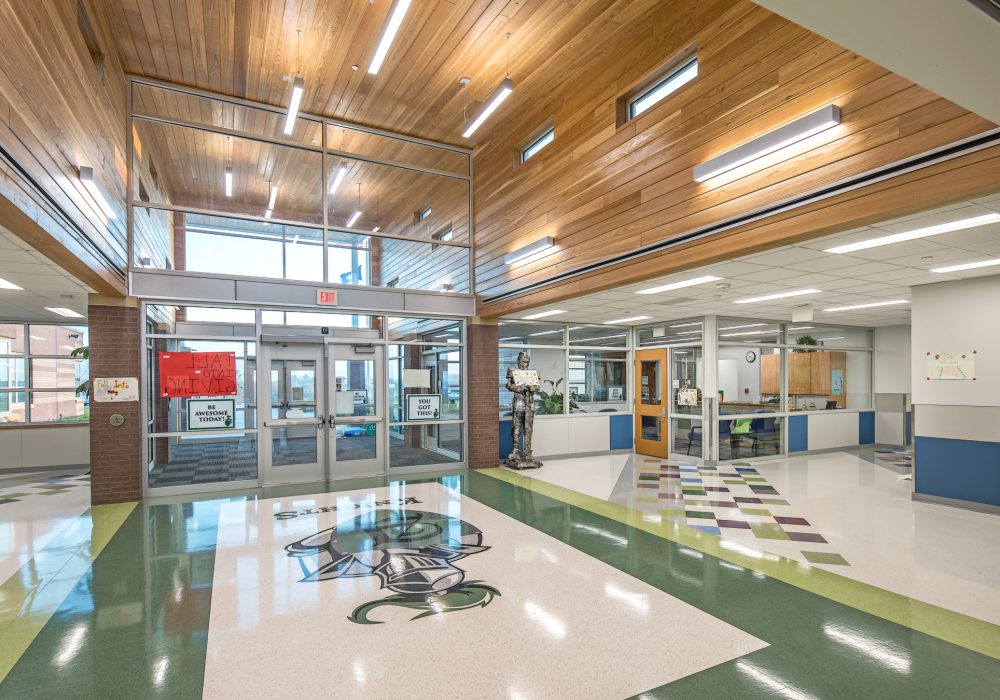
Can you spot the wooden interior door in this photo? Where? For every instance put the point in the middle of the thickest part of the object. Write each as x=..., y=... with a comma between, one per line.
x=652, y=399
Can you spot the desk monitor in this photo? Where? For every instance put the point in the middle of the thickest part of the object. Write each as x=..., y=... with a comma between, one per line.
x=831, y=404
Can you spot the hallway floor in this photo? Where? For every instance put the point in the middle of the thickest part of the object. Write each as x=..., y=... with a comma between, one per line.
x=496, y=584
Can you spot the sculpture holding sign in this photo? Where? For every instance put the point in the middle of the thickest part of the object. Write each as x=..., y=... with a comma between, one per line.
x=523, y=383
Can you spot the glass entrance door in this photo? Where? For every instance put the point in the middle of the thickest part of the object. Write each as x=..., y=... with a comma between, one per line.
x=652, y=396
x=356, y=423
x=294, y=445
x=326, y=417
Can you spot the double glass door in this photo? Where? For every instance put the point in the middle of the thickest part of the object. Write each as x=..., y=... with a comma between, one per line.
x=326, y=418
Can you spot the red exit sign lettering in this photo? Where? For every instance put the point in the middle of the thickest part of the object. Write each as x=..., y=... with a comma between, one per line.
x=326, y=297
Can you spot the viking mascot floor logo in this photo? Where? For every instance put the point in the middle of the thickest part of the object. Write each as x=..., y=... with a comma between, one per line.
x=412, y=552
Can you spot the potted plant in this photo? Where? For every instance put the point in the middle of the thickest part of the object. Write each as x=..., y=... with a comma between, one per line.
x=82, y=354
x=805, y=340
x=551, y=402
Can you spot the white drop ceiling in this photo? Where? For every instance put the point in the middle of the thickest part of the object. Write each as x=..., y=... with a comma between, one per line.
x=863, y=277
x=43, y=283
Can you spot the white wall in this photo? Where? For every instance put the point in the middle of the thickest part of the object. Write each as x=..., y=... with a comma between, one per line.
x=954, y=317
x=747, y=373
x=22, y=448
x=892, y=360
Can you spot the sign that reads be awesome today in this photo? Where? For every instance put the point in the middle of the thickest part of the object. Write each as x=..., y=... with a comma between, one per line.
x=211, y=414
x=423, y=407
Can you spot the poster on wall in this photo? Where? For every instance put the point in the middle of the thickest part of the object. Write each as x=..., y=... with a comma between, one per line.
x=951, y=365
x=616, y=393
x=184, y=374
x=423, y=407
x=211, y=414
x=687, y=397
x=836, y=382
x=116, y=389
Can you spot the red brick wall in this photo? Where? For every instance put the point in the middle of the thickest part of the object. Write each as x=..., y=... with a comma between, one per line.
x=115, y=453
x=483, y=396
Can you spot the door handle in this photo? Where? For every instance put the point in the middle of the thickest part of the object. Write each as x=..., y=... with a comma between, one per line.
x=333, y=420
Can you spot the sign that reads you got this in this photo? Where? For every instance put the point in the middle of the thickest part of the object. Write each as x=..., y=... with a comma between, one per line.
x=185, y=374
x=423, y=407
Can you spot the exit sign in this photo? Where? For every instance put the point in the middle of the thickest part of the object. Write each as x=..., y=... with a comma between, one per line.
x=326, y=297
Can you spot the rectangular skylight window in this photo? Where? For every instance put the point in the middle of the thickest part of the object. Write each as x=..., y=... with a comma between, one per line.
x=668, y=84
x=424, y=214
x=538, y=144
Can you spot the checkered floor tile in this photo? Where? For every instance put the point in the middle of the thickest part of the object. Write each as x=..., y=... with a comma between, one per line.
x=48, y=486
x=729, y=499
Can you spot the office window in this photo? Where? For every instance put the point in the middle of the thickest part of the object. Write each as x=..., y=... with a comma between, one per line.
x=665, y=85
x=598, y=380
x=39, y=376
x=538, y=144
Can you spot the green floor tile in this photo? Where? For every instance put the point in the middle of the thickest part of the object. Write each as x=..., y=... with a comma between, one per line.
x=775, y=502
x=825, y=558
x=755, y=511
x=14, y=495
x=695, y=492
x=735, y=482
x=699, y=514
x=755, y=478
x=769, y=531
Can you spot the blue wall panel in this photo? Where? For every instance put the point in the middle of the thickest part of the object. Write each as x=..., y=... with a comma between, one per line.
x=866, y=428
x=968, y=470
x=621, y=432
x=798, y=433
x=506, y=439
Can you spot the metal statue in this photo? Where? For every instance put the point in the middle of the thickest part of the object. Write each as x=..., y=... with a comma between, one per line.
x=524, y=384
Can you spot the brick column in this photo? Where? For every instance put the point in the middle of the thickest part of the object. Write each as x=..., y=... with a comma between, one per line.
x=483, y=394
x=115, y=453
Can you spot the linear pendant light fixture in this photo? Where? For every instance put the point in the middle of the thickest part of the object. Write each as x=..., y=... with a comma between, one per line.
x=357, y=212
x=959, y=225
x=529, y=250
x=869, y=306
x=495, y=99
x=293, y=105
x=543, y=314
x=339, y=177
x=801, y=128
x=391, y=28
x=271, y=201
x=87, y=178
x=679, y=285
x=229, y=181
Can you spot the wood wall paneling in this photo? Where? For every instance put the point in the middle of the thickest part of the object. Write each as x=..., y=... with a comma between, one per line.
x=603, y=190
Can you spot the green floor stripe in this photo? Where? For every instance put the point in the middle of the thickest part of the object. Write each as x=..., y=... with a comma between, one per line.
x=956, y=628
x=30, y=597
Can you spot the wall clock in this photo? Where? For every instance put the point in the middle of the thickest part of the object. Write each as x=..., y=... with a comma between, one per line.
x=751, y=356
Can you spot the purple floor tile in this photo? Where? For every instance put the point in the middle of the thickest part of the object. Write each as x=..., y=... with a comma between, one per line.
x=734, y=523
x=721, y=489
x=784, y=520
x=745, y=499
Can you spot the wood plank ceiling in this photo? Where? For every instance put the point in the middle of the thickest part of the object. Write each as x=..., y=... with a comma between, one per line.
x=247, y=48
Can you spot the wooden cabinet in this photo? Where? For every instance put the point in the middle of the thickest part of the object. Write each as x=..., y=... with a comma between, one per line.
x=811, y=374
x=770, y=374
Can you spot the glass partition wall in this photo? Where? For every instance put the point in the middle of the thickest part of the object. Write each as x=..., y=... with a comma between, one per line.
x=294, y=395
x=217, y=187
x=763, y=372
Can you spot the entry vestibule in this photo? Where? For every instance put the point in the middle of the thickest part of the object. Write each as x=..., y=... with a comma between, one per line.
x=316, y=395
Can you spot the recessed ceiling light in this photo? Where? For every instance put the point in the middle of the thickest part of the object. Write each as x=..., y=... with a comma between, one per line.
x=543, y=314
x=4, y=284
x=967, y=266
x=745, y=325
x=627, y=320
x=679, y=285
x=836, y=337
x=684, y=325
x=688, y=333
x=391, y=27
x=959, y=225
x=869, y=306
x=801, y=328
x=733, y=335
x=779, y=295
x=62, y=311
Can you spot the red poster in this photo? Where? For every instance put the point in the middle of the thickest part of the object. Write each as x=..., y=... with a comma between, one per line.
x=197, y=374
